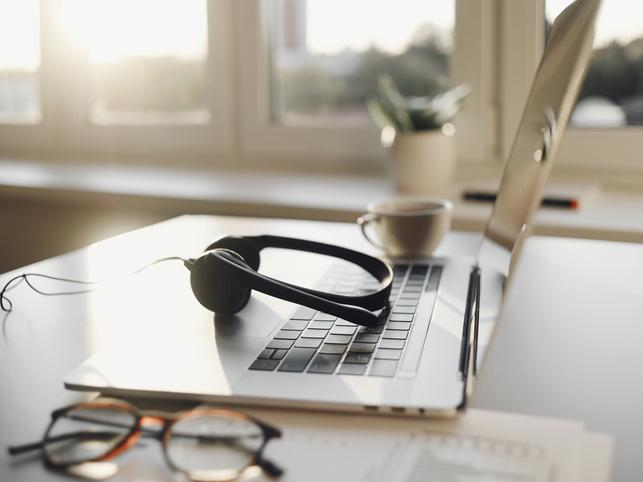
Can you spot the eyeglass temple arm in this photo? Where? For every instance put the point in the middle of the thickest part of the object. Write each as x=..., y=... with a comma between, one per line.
x=21, y=449
x=272, y=469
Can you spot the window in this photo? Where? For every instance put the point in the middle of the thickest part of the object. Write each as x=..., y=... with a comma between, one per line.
x=19, y=62
x=605, y=130
x=307, y=67
x=141, y=68
x=323, y=76
x=612, y=95
x=140, y=78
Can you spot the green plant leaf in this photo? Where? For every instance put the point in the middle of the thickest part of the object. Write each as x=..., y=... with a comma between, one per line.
x=396, y=102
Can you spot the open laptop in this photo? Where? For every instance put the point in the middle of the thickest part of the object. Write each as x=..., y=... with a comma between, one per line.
x=443, y=311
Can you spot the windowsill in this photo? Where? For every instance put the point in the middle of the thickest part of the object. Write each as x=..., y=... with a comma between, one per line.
x=610, y=215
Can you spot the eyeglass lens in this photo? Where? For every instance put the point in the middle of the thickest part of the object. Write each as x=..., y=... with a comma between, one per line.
x=207, y=447
x=86, y=433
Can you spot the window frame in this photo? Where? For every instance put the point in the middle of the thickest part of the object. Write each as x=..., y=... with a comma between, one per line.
x=473, y=59
x=22, y=137
x=66, y=128
x=582, y=149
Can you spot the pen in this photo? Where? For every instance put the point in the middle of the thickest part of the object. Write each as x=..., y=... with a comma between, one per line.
x=547, y=201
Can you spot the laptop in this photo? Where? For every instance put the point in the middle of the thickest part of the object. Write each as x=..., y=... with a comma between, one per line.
x=422, y=360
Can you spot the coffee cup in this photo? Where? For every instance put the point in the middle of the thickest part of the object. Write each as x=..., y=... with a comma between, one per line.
x=406, y=226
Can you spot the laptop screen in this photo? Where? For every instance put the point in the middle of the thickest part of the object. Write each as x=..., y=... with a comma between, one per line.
x=556, y=85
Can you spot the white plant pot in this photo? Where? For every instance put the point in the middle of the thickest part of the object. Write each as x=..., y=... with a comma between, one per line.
x=422, y=163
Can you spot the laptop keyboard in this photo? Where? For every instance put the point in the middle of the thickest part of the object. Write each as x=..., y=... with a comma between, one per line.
x=315, y=342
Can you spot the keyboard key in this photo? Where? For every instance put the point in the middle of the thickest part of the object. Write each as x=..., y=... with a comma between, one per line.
x=367, y=337
x=343, y=292
x=383, y=368
x=287, y=335
x=401, y=317
x=418, y=275
x=332, y=349
x=393, y=344
x=404, y=310
x=371, y=329
x=341, y=322
x=352, y=369
x=280, y=344
x=308, y=333
x=419, y=270
x=395, y=334
x=313, y=342
x=364, y=292
x=267, y=353
x=325, y=317
x=279, y=354
x=297, y=359
x=303, y=313
x=295, y=325
x=263, y=364
x=412, y=289
x=324, y=363
x=321, y=325
x=338, y=339
x=362, y=347
x=402, y=302
x=398, y=325
x=385, y=354
x=415, y=282
x=410, y=296
x=356, y=357
x=343, y=330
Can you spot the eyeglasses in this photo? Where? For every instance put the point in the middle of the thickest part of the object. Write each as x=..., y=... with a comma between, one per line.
x=206, y=444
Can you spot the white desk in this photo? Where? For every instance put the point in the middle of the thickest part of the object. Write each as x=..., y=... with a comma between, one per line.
x=570, y=344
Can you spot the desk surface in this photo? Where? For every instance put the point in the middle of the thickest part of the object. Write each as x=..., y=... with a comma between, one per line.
x=570, y=343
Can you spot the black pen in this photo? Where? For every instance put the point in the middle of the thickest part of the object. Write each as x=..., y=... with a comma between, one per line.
x=547, y=201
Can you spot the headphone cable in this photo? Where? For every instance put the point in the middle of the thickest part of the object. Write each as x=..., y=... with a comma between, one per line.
x=7, y=305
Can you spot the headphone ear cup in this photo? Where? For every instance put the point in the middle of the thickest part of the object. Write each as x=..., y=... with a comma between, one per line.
x=215, y=283
x=244, y=247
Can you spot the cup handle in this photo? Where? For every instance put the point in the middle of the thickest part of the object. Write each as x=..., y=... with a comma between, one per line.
x=363, y=221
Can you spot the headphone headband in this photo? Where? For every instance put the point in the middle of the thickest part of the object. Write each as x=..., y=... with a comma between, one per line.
x=374, y=266
x=247, y=248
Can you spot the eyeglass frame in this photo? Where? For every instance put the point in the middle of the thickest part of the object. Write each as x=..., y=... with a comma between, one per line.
x=163, y=435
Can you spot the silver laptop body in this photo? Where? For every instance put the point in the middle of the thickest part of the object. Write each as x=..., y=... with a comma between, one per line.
x=443, y=310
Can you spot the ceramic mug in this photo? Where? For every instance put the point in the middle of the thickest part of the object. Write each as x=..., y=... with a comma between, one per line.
x=407, y=227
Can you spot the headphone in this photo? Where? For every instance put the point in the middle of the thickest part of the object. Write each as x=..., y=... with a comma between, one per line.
x=223, y=277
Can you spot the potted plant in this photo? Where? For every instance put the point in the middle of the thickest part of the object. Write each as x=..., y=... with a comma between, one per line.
x=419, y=135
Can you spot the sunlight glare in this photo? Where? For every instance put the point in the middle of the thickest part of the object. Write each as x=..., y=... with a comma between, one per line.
x=112, y=30
x=19, y=35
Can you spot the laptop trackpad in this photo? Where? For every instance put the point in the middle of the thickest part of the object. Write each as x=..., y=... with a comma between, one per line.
x=257, y=320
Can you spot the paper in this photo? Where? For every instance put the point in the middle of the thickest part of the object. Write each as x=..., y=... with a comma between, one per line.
x=479, y=445
x=448, y=457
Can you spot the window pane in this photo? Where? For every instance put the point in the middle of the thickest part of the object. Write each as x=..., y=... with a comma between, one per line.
x=327, y=55
x=147, y=59
x=19, y=61
x=612, y=95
